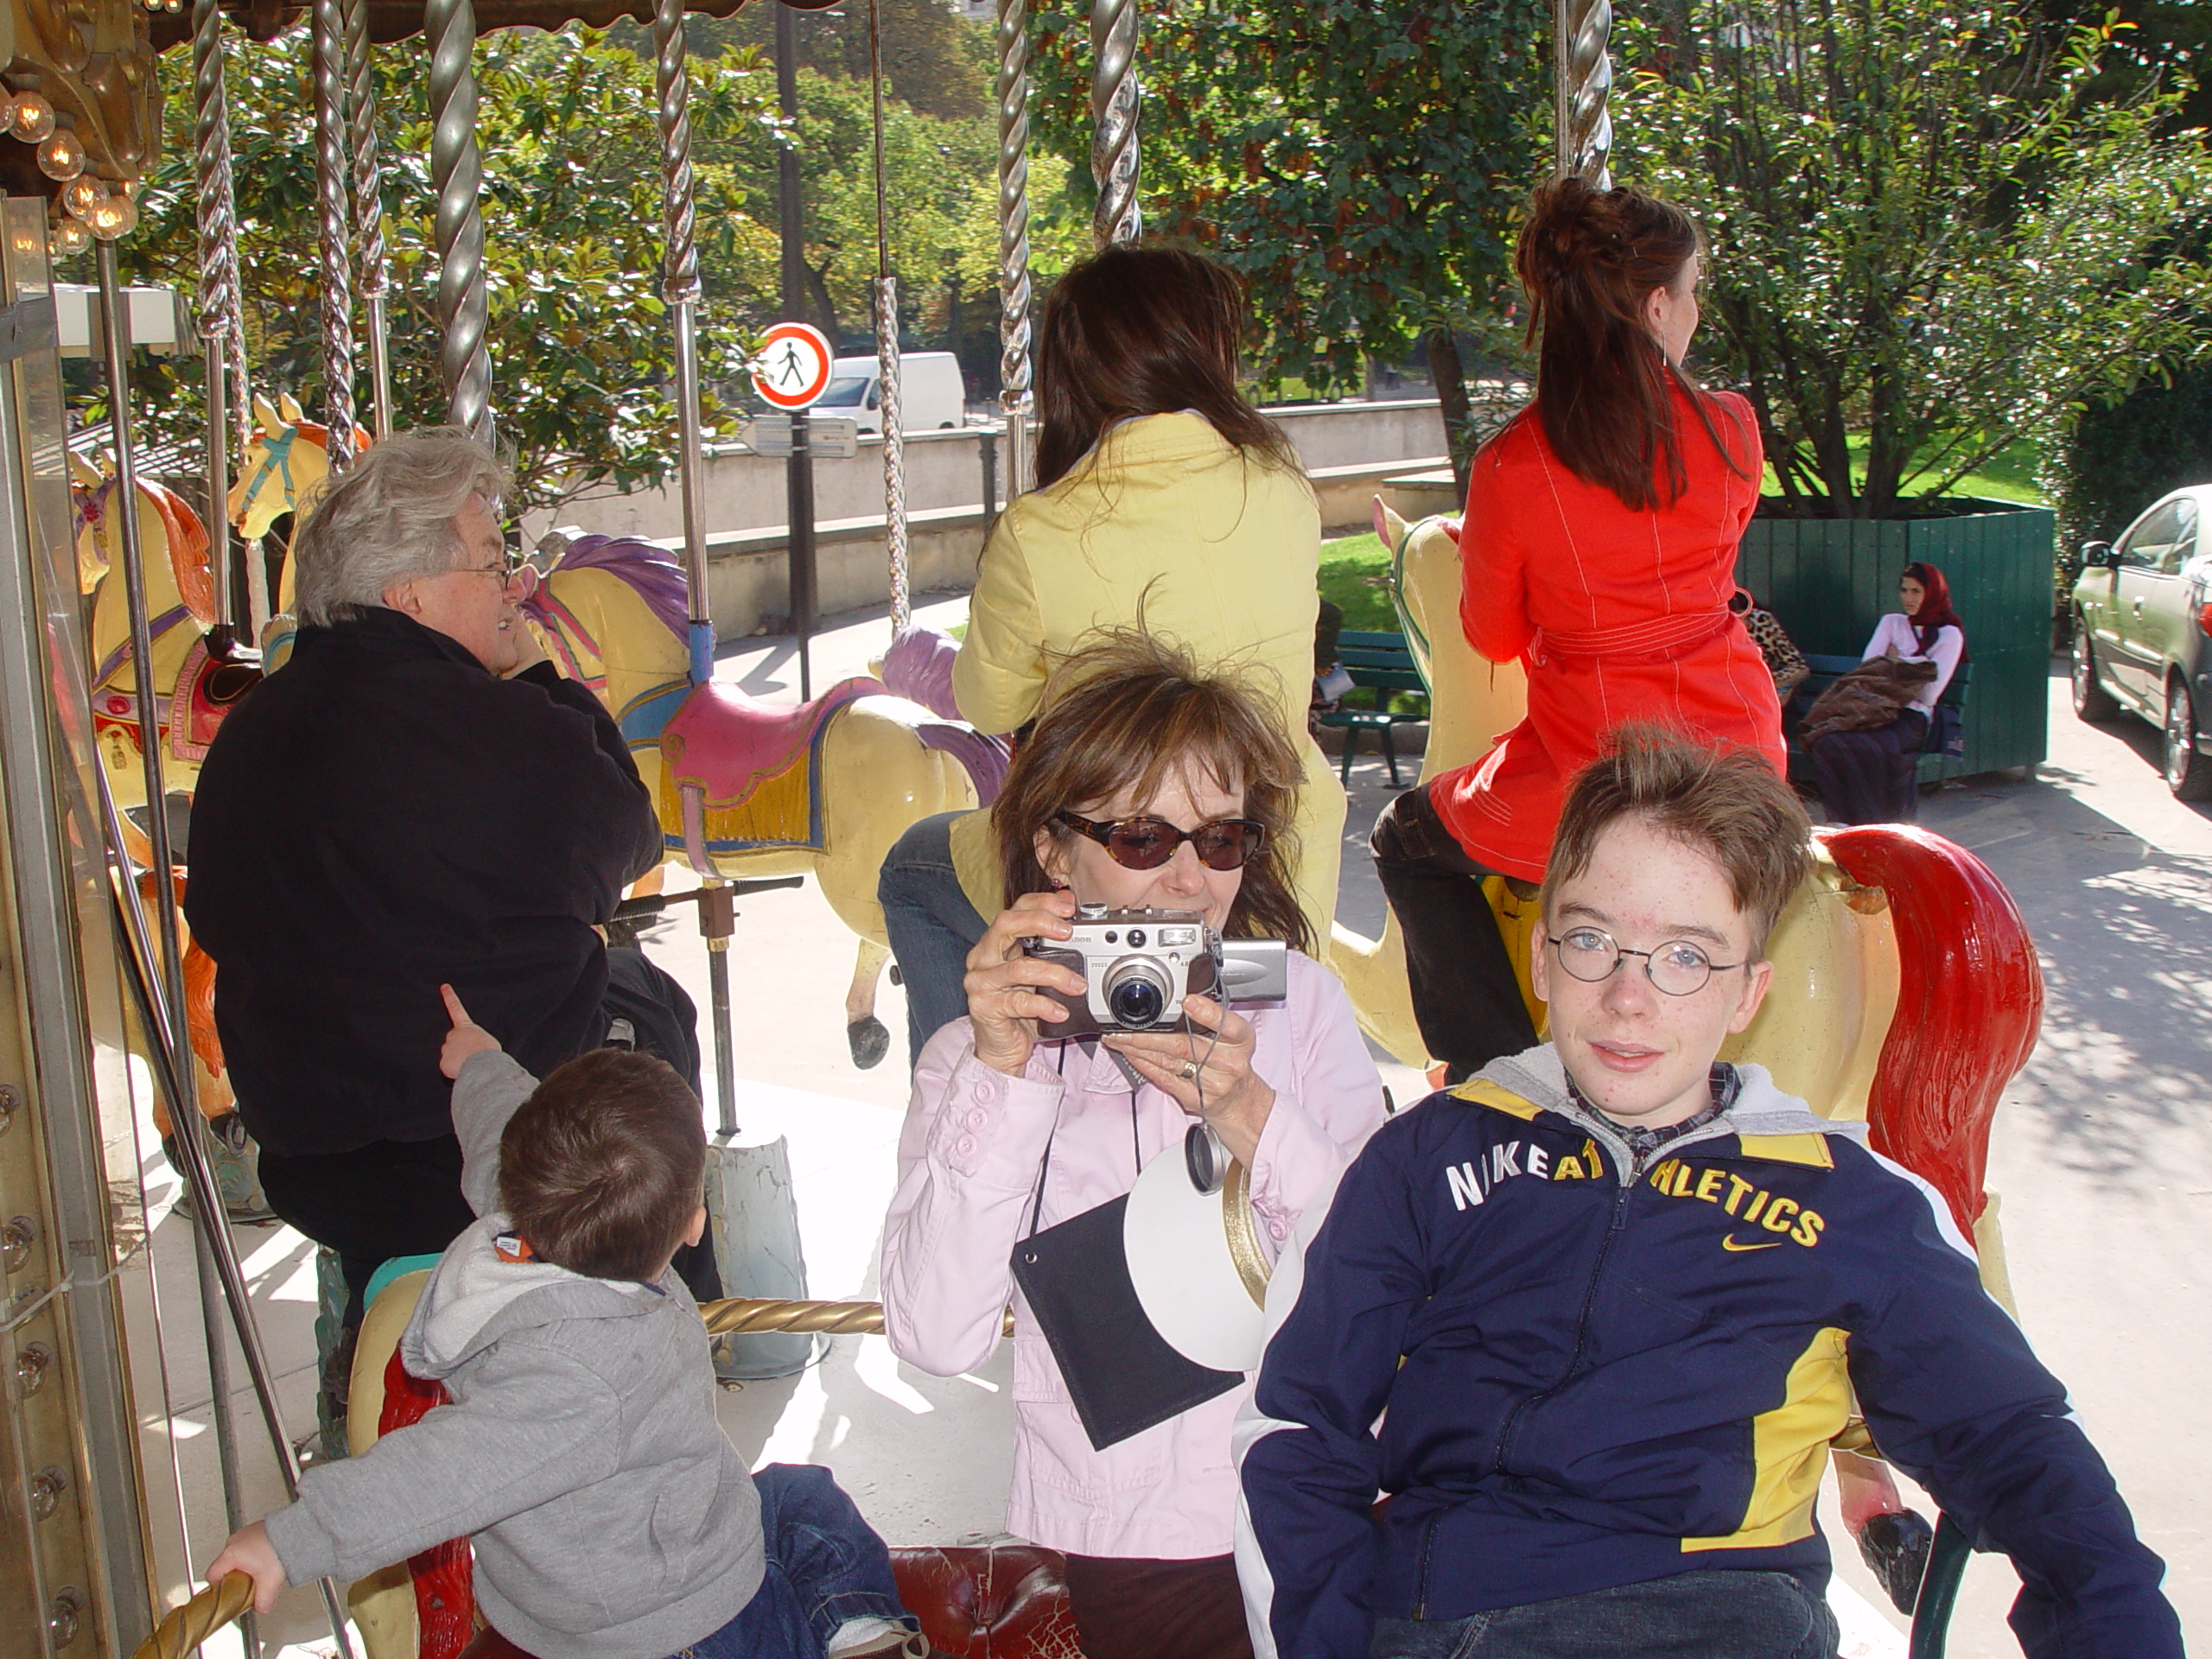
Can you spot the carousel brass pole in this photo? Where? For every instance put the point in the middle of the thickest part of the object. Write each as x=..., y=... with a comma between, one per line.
x=219, y=279
x=1583, y=77
x=1013, y=240
x=332, y=215
x=368, y=209
x=457, y=170
x=886, y=353
x=1115, y=97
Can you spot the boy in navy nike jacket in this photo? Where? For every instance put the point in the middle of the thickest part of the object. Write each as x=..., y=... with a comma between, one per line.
x=1592, y=1318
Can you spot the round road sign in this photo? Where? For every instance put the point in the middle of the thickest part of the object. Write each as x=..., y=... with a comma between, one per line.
x=793, y=368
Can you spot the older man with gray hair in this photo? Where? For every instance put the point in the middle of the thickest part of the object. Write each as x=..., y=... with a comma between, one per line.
x=415, y=799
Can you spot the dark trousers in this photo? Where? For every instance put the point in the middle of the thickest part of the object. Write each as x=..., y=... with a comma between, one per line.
x=931, y=926
x=1467, y=996
x=403, y=1197
x=1127, y=1608
x=825, y=1566
x=1871, y=777
x=1714, y=1614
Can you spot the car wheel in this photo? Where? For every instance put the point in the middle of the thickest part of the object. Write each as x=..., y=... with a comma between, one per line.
x=2091, y=701
x=2189, y=773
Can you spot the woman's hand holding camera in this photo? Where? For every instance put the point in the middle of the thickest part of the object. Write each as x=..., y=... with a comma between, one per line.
x=1003, y=980
x=1209, y=1076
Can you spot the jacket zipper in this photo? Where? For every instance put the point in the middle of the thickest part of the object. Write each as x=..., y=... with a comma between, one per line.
x=1631, y=1170
x=1427, y=1549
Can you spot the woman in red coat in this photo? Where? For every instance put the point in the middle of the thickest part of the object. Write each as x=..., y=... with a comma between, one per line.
x=1600, y=549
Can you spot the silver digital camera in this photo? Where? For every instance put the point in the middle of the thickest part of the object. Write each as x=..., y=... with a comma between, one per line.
x=1140, y=964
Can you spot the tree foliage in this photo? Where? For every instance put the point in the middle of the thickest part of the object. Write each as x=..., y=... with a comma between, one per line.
x=1922, y=228
x=1363, y=166
x=581, y=352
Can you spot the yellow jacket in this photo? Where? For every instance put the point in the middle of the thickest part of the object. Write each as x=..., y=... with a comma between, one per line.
x=1221, y=551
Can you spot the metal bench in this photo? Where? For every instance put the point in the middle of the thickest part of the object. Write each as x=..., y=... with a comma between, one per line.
x=1383, y=665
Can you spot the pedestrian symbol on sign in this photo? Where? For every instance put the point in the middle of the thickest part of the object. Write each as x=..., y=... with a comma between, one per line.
x=793, y=368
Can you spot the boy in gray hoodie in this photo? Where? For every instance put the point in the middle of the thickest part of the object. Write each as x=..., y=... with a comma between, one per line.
x=580, y=1454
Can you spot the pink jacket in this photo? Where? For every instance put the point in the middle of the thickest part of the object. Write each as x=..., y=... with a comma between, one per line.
x=968, y=1162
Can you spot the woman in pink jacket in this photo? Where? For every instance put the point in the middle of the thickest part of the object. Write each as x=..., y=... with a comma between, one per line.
x=1144, y=784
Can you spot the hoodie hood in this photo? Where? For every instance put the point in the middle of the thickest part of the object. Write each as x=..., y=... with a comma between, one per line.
x=1537, y=1075
x=479, y=1294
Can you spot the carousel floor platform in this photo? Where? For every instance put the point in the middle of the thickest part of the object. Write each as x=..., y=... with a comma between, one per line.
x=2099, y=1154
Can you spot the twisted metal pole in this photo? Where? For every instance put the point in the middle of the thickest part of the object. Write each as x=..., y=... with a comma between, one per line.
x=368, y=209
x=1114, y=101
x=218, y=282
x=1014, y=239
x=457, y=171
x=1583, y=77
x=887, y=353
x=680, y=287
x=182, y=1629
x=333, y=214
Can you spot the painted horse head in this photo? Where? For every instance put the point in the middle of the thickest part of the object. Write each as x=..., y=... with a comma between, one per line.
x=289, y=454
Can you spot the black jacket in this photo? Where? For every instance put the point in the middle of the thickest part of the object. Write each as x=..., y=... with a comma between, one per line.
x=382, y=814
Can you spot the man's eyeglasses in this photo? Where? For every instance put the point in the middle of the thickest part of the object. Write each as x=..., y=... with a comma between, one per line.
x=1678, y=968
x=1148, y=844
x=513, y=568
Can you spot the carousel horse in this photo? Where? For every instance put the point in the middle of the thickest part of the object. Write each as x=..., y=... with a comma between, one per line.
x=748, y=789
x=194, y=688
x=288, y=456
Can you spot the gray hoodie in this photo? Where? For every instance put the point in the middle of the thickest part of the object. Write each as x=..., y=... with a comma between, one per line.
x=581, y=1455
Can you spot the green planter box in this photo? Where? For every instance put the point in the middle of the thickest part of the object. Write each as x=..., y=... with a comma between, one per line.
x=1831, y=580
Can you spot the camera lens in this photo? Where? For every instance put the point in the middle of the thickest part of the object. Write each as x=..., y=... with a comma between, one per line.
x=1136, y=992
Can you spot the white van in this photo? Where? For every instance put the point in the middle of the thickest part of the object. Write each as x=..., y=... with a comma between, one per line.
x=930, y=396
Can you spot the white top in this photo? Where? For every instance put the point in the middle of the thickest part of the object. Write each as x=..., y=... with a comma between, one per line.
x=1894, y=636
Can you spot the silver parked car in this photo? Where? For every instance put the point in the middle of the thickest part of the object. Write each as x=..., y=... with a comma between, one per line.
x=2143, y=632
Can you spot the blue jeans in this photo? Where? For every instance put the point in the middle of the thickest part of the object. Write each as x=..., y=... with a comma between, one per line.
x=825, y=1566
x=931, y=926
x=1717, y=1614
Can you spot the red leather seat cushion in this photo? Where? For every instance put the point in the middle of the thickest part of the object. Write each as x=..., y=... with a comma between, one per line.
x=989, y=1601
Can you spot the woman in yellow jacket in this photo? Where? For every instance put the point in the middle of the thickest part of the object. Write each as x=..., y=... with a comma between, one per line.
x=1164, y=502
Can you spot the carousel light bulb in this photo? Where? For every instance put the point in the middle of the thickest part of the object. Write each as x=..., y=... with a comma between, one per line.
x=80, y=195
x=62, y=155
x=70, y=236
x=111, y=218
x=34, y=118
x=7, y=109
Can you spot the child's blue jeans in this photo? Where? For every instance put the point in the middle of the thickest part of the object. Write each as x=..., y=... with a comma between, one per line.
x=825, y=1566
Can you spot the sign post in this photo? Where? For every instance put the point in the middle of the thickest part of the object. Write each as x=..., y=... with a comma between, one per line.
x=791, y=370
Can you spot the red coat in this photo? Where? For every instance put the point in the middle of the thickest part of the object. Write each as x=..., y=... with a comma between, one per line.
x=1616, y=615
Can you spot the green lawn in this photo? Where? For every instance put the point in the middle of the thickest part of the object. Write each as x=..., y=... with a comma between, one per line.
x=2009, y=476
x=1355, y=573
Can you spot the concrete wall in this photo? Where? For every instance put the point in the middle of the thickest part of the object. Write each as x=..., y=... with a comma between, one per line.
x=1352, y=451
x=945, y=469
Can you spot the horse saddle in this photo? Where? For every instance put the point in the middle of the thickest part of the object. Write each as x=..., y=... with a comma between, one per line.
x=207, y=688
x=740, y=773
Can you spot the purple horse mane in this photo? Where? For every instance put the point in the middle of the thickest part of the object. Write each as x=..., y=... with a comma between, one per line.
x=653, y=573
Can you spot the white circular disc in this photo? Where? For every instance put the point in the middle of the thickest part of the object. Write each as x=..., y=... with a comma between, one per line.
x=1177, y=1252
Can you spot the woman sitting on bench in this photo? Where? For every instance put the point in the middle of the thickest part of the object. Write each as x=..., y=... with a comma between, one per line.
x=1873, y=776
